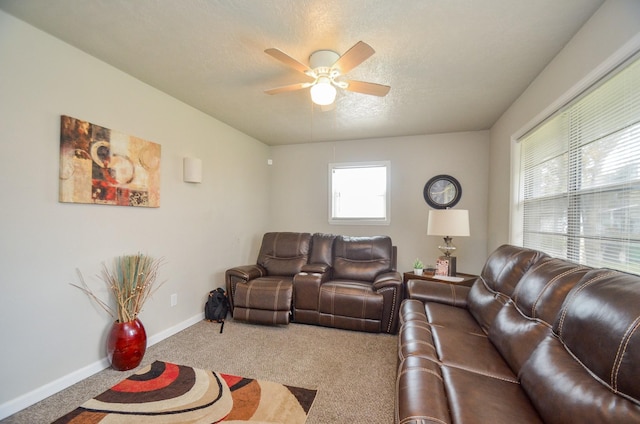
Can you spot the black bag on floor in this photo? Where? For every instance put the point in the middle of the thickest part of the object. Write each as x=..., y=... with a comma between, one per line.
x=217, y=306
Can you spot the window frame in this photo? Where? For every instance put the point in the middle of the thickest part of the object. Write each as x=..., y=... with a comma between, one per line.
x=360, y=220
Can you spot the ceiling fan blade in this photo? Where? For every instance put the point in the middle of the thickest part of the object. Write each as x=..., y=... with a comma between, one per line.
x=368, y=88
x=292, y=87
x=288, y=60
x=353, y=57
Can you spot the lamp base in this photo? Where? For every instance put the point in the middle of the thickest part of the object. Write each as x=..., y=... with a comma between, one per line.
x=446, y=266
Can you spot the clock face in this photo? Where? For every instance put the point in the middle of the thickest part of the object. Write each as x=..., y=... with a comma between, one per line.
x=442, y=191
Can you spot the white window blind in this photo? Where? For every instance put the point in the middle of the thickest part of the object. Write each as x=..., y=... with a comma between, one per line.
x=580, y=174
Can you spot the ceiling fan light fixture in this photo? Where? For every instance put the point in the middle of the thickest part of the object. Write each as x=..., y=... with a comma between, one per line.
x=323, y=92
x=327, y=68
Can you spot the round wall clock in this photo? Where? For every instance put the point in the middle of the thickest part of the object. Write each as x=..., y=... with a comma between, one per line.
x=442, y=191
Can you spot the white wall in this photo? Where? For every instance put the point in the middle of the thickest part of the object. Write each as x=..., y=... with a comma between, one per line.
x=300, y=184
x=611, y=34
x=50, y=332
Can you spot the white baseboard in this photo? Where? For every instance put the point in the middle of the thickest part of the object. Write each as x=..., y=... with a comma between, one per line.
x=43, y=392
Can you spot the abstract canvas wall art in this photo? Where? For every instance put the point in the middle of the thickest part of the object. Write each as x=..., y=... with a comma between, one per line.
x=103, y=166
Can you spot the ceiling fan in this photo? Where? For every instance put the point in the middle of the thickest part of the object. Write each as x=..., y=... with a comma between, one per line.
x=328, y=68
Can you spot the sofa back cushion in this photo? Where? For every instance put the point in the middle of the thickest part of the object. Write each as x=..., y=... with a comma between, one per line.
x=322, y=249
x=501, y=273
x=527, y=319
x=284, y=253
x=587, y=369
x=361, y=258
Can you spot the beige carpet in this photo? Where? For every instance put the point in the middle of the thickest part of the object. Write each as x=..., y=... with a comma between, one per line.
x=353, y=372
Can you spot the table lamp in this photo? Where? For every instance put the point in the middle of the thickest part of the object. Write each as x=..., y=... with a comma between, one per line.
x=448, y=223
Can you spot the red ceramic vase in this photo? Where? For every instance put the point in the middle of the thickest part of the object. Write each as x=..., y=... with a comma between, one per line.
x=126, y=344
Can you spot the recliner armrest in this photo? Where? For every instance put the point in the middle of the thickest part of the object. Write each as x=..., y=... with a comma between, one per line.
x=246, y=272
x=439, y=292
x=241, y=275
x=386, y=279
x=315, y=268
x=389, y=284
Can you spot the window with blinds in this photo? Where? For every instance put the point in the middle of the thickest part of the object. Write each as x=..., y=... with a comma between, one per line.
x=580, y=177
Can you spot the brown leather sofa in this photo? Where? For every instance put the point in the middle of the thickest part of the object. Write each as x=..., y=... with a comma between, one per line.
x=534, y=340
x=337, y=281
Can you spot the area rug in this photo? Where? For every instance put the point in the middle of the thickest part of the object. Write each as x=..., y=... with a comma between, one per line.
x=168, y=393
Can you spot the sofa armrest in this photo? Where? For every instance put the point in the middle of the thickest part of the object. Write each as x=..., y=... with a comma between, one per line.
x=315, y=268
x=240, y=275
x=439, y=292
x=387, y=279
x=246, y=272
x=390, y=286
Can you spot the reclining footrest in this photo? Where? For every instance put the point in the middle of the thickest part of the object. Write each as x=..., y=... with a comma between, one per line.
x=264, y=301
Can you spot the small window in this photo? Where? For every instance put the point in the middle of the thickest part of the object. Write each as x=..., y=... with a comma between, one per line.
x=359, y=193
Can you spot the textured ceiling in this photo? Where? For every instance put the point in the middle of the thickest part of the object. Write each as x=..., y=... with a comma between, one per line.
x=453, y=65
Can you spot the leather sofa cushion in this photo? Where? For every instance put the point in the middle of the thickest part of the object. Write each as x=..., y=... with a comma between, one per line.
x=542, y=290
x=446, y=316
x=287, y=267
x=587, y=369
x=284, y=253
x=523, y=323
x=563, y=391
x=604, y=310
x=476, y=398
x=499, y=277
x=456, y=339
x=361, y=258
x=322, y=249
x=506, y=265
x=350, y=299
x=470, y=352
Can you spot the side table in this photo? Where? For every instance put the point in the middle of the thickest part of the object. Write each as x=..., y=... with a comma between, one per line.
x=468, y=279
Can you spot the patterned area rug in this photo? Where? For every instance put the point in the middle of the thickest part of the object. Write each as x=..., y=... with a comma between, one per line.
x=167, y=393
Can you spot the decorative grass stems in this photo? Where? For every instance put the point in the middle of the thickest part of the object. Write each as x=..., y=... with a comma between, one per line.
x=131, y=280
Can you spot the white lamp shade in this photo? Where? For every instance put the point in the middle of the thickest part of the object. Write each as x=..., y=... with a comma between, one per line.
x=448, y=223
x=192, y=170
x=323, y=93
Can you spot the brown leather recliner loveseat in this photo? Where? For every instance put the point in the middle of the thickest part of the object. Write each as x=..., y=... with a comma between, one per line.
x=323, y=279
x=534, y=340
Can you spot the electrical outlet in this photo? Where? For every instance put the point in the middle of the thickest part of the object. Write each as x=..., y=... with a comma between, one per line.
x=174, y=299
